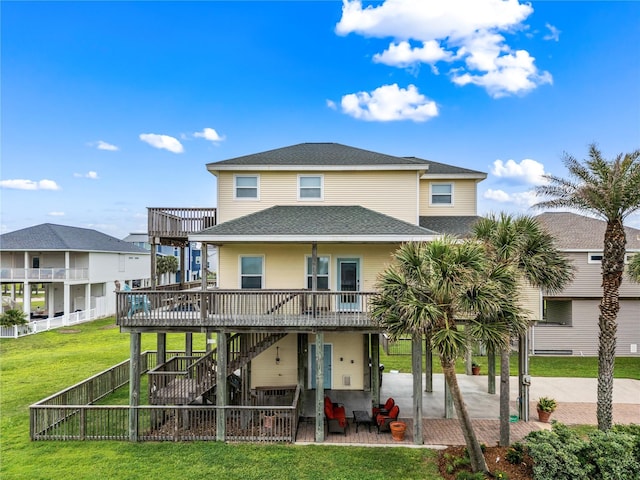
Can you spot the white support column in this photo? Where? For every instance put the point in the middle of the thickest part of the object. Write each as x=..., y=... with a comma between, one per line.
x=67, y=286
x=87, y=298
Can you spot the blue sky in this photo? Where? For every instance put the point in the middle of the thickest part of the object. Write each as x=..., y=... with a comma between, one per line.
x=112, y=107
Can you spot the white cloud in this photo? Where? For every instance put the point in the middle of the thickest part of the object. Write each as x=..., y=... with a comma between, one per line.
x=404, y=55
x=520, y=199
x=100, y=145
x=92, y=175
x=56, y=214
x=554, y=33
x=331, y=104
x=512, y=74
x=527, y=171
x=163, y=142
x=209, y=134
x=467, y=34
x=23, y=184
x=388, y=103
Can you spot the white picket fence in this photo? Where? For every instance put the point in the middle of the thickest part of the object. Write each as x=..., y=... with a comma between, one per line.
x=38, y=326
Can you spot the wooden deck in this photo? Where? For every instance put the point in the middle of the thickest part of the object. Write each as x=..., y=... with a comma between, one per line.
x=244, y=309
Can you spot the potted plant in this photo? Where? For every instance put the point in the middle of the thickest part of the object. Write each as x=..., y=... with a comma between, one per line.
x=475, y=368
x=546, y=406
x=397, y=430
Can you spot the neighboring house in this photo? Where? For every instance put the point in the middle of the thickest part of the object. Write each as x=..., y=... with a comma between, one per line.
x=569, y=324
x=193, y=255
x=77, y=266
x=302, y=233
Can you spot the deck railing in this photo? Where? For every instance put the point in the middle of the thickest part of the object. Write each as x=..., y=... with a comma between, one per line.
x=48, y=274
x=244, y=308
x=179, y=222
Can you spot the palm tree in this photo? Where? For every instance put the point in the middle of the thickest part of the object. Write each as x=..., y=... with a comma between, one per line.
x=611, y=191
x=519, y=242
x=428, y=288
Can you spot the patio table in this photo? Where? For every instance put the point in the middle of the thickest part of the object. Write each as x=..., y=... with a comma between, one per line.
x=362, y=417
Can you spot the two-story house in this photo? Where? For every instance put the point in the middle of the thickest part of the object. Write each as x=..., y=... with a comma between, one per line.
x=302, y=233
x=77, y=267
x=569, y=325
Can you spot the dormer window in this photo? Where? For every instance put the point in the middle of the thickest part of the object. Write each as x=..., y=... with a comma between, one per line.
x=246, y=187
x=441, y=194
x=310, y=187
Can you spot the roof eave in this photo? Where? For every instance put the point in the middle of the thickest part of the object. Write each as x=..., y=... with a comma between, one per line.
x=213, y=168
x=219, y=239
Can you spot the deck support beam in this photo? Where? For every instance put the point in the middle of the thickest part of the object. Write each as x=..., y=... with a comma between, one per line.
x=416, y=368
x=491, y=370
x=221, y=386
x=161, y=355
x=523, y=377
x=375, y=370
x=319, y=387
x=134, y=384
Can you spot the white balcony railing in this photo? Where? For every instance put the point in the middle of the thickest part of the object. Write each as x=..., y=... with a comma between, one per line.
x=44, y=274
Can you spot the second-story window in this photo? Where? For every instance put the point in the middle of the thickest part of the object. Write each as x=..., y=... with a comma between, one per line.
x=251, y=272
x=310, y=187
x=441, y=194
x=246, y=187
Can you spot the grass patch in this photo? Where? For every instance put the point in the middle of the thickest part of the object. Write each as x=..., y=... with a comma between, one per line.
x=585, y=367
x=36, y=366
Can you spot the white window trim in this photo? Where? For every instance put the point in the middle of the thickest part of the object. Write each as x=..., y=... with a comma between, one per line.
x=308, y=274
x=431, y=204
x=262, y=281
x=601, y=254
x=307, y=199
x=246, y=199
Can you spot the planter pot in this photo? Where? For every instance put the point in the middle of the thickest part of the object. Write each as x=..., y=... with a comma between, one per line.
x=544, y=416
x=475, y=370
x=397, y=430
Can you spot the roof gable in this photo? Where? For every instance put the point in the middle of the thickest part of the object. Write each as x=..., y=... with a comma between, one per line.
x=49, y=236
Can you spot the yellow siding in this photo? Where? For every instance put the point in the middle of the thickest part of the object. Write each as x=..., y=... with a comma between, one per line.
x=531, y=301
x=284, y=264
x=390, y=193
x=464, y=199
x=346, y=346
x=265, y=372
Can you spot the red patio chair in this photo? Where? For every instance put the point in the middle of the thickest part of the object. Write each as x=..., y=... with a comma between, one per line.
x=383, y=421
x=336, y=416
x=383, y=407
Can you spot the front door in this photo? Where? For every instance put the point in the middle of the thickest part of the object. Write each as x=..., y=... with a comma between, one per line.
x=348, y=281
x=327, y=366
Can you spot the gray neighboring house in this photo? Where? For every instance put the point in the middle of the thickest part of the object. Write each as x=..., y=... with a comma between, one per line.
x=570, y=319
x=78, y=268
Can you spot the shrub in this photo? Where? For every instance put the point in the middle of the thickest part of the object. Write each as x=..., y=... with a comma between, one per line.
x=13, y=317
x=515, y=454
x=560, y=454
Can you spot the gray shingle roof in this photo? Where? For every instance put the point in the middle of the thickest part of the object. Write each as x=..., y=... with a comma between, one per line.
x=315, y=220
x=322, y=154
x=577, y=232
x=459, y=226
x=335, y=155
x=48, y=237
x=437, y=168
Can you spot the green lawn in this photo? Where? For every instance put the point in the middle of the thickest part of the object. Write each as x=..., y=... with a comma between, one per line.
x=587, y=367
x=37, y=366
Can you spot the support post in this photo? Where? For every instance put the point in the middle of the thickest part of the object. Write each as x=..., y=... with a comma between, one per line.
x=491, y=370
x=221, y=386
x=314, y=277
x=319, y=387
x=523, y=377
x=161, y=356
x=504, y=397
x=154, y=261
x=416, y=368
x=428, y=360
x=302, y=365
x=375, y=369
x=188, y=344
x=134, y=384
